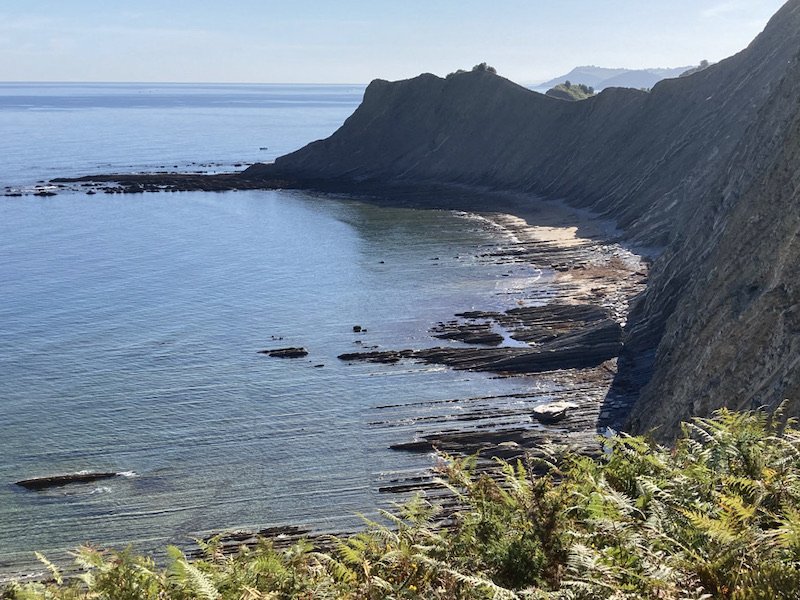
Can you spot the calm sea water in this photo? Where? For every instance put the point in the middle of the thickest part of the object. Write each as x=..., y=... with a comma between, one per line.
x=130, y=325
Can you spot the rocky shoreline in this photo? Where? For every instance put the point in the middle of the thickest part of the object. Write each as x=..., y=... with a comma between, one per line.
x=551, y=337
x=566, y=343
x=579, y=314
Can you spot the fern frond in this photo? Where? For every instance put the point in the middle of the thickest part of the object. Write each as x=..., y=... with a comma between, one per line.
x=200, y=582
x=88, y=558
x=341, y=572
x=55, y=572
x=498, y=592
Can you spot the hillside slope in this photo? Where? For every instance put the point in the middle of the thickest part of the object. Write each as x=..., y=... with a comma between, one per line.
x=689, y=166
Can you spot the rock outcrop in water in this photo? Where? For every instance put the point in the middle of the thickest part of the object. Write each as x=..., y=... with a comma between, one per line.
x=706, y=166
x=51, y=481
x=285, y=352
x=555, y=336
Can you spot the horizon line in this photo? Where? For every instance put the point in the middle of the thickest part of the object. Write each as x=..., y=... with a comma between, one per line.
x=96, y=82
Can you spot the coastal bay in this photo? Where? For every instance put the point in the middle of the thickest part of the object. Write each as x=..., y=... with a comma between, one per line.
x=109, y=365
x=434, y=336
x=174, y=390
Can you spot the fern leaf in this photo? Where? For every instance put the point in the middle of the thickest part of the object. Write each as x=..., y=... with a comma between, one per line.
x=200, y=582
x=54, y=570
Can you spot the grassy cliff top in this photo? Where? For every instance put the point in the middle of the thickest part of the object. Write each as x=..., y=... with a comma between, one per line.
x=571, y=91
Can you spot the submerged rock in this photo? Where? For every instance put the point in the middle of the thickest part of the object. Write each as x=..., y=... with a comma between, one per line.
x=388, y=357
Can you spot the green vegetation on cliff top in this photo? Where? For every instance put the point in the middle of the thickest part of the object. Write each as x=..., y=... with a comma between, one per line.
x=570, y=91
x=717, y=516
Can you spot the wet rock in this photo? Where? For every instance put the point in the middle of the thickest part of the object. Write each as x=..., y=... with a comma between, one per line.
x=392, y=356
x=42, y=483
x=285, y=352
x=470, y=333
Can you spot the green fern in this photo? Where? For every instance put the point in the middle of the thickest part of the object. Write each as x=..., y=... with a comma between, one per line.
x=55, y=572
x=200, y=582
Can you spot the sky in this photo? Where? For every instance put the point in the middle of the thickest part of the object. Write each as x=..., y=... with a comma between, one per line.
x=355, y=41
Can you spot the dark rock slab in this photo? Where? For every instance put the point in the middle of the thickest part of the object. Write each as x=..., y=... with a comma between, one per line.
x=285, y=352
x=388, y=357
x=470, y=333
x=51, y=481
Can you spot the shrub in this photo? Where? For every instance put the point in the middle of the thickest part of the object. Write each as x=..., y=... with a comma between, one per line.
x=484, y=67
x=571, y=91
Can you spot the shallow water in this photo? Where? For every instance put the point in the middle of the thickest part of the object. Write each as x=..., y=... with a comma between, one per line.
x=131, y=325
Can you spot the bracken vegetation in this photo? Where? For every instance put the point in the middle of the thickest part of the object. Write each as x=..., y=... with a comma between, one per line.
x=716, y=516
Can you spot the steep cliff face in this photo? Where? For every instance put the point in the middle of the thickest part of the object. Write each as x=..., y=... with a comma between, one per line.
x=733, y=337
x=478, y=128
x=706, y=165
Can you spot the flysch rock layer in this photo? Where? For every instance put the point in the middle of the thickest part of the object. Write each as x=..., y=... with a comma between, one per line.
x=733, y=279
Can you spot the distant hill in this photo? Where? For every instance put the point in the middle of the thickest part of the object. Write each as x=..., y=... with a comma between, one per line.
x=600, y=77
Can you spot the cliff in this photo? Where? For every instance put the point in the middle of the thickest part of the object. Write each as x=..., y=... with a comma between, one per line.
x=704, y=165
x=733, y=336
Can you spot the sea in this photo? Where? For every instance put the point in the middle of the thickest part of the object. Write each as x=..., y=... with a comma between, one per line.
x=131, y=325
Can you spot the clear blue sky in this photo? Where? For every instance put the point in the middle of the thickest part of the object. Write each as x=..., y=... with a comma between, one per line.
x=353, y=41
